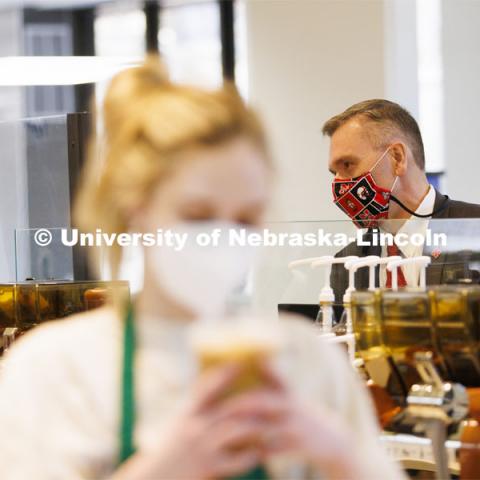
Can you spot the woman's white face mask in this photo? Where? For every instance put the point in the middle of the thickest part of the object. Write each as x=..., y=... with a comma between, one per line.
x=202, y=278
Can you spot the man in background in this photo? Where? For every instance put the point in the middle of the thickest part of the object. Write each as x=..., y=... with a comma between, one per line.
x=378, y=162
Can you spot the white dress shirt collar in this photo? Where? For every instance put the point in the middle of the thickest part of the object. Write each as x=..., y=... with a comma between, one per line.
x=418, y=225
x=412, y=226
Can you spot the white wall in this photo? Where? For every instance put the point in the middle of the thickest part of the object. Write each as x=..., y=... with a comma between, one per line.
x=401, y=69
x=309, y=60
x=461, y=57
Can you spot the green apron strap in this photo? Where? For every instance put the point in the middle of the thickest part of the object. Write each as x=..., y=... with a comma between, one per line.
x=128, y=389
x=127, y=424
x=258, y=473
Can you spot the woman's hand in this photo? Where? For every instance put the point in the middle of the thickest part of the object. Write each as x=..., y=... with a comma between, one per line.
x=319, y=437
x=209, y=439
x=218, y=438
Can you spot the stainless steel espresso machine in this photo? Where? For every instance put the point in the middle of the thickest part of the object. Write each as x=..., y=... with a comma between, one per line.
x=418, y=350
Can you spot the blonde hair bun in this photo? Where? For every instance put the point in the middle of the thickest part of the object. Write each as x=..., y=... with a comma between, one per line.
x=129, y=87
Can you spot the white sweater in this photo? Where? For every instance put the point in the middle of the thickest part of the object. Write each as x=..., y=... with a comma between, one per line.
x=60, y=395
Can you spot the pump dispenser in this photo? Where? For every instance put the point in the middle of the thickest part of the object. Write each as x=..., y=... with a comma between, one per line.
x=324, y=318
x=365, y=314
x=352, y=266
x=423, y=261
x=338, y=331
x=327, y=297
x=386, y=260
x=371, y=262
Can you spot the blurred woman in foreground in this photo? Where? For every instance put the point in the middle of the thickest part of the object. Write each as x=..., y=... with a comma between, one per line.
x=115, y=393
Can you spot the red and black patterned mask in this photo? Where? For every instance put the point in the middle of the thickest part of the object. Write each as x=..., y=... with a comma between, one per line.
x=362, y=199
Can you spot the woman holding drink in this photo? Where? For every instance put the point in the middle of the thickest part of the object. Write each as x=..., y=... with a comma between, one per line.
x=116, y=392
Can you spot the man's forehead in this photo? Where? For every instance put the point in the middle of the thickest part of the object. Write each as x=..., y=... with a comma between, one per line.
x=354, y=138
x=355, y=128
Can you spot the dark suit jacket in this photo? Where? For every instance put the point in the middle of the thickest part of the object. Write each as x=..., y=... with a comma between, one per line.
x=444, y=269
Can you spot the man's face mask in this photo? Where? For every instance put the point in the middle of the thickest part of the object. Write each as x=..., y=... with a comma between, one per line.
x=362, y=199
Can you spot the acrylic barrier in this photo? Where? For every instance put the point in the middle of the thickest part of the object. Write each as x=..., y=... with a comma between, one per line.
x=452, y=244
x=34, y=185
x=40, y=255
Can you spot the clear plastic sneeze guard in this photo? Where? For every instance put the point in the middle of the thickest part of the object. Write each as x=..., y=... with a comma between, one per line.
x=40, y=255
x=452, y=244
x=35, y=182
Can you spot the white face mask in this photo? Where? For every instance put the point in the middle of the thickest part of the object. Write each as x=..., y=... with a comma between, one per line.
x=202, y=278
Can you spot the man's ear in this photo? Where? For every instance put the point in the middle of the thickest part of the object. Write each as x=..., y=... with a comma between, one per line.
x=399, y=152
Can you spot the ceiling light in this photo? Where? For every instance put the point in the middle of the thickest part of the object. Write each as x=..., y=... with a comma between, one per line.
x=27, y=71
